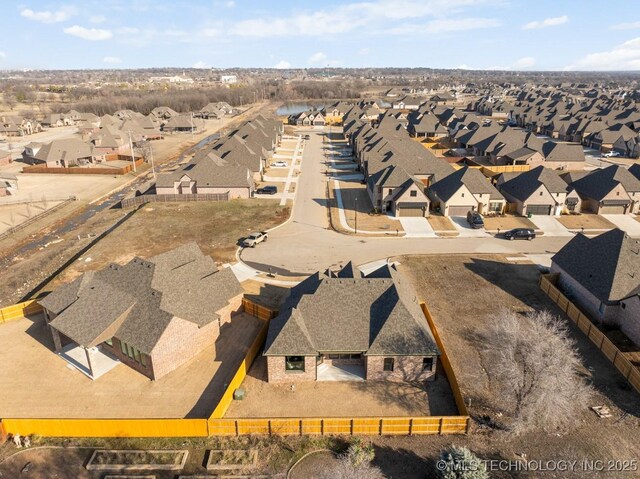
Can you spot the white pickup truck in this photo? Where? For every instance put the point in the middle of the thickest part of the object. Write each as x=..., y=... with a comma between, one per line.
x=254, y=238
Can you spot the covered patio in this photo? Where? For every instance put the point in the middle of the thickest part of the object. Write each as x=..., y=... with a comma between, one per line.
x=92, y=362
x=340, y=372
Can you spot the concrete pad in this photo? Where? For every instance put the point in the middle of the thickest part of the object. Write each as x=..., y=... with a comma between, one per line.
x=540, y=259
x=416, y=227
x=550, y=226
x=463, y=227
x=626, y=223
x=243, y=272
x=342, y=372
x=101, y=363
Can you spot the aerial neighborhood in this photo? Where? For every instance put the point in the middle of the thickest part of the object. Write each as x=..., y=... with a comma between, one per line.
x=213, y=272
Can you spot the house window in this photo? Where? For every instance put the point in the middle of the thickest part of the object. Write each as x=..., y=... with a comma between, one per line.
x=390, y=190
x=623, y=306
x=427, y=364
x=109, y=342
x=388, y=364
x=414, y=193
x=541, y=193
x=294, y=363
x=462, y=195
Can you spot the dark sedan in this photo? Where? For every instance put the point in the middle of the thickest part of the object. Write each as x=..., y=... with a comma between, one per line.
x=520, y=233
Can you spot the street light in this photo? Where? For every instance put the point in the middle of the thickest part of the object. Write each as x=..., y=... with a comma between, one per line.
x=356, y=221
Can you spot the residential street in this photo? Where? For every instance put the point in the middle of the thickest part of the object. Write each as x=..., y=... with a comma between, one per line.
x=306, y=243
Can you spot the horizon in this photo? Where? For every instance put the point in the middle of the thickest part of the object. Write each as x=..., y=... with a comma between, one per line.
x=466, y=35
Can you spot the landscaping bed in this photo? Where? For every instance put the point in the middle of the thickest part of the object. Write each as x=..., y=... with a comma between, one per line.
x=135, y=460
x=586, y=221
x=231, y=459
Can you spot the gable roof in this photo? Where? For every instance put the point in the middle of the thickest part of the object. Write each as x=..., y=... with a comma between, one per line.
x=472, y=178
x=600, y=182
x=612, y=271
x=376, y=316
x=181, y=283
x=526, y=183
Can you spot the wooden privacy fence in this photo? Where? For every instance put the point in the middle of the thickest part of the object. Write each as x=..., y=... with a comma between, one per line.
x=142, y=199
x=37, y=217
x=597, y=337
x=217, y=425
x=20, y=310
x=76, y=170
x=446, y=365
x=257, y=310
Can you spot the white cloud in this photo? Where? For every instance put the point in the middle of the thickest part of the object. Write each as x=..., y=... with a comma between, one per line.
x=375, y=16
x=112, y=60
x=445, y=25
x=547, y=22
x=47, y=16
x=97, y=19
x=626, y=26
x=230, y=4
x=92, y=34
x=523, y=63
x=210, y=32
x=625, y=56
x=282, y=65
x=464, y=66
x=317, y=59
x=200, y=64
x=364, y=51
x=3, y=55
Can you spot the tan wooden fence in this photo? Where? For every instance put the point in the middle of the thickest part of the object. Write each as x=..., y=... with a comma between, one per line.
x=597, y=337
x=258, y=311
x=142, y=199
x=18, y=311
x=76, y=170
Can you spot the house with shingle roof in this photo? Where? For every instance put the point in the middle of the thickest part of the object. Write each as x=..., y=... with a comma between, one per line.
x=372, y=326
x=611, y=190
x=602, y=277
x=539, y=191
x=153, y=315
x=464, y=190
x=62, y=154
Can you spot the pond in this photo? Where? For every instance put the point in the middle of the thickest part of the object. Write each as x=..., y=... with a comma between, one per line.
x=291, y=108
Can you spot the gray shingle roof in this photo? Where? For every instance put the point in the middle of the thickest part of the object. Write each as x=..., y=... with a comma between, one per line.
x=472, y=178
x=376, y=316
x=608, y=266
x=180, y=283
x=526, y=183
x=600, y=182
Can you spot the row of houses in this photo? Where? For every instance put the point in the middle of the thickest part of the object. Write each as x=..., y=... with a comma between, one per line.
x=231, y=165
x=15, y=125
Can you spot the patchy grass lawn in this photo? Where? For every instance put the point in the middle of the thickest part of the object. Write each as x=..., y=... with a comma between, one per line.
x=441, y=223
x=367, y=219
x=586, y=221
x=157, y=227
x=508, y=222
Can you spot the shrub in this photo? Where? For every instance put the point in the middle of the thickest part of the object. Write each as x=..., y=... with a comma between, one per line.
x=460, y=463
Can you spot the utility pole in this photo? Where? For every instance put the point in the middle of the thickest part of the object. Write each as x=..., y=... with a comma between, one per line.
x=356, y=228
x=133, y=155
x=191, y=123
x=153, y=169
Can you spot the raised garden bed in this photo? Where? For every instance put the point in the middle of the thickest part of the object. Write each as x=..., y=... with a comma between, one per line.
x=135, y=460
x=231, y=459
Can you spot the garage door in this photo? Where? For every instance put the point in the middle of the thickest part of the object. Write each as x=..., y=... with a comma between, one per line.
x=410, y=211
x=612, y=210
x=539, y=209
x=459, y=210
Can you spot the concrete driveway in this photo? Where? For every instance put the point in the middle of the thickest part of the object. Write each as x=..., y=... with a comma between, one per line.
x=626, y=223
x=550, y=226
x=416, y=227
x=465, y=230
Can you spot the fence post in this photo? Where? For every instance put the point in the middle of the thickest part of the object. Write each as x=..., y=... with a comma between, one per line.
x=411, y=427
x=440, y=426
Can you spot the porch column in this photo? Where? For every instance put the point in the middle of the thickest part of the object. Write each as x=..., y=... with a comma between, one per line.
x=88, y=354
x=57, y=343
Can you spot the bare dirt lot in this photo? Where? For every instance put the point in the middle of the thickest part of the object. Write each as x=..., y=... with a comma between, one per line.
x=41, y=384
x=340, y=398
x=441, y=223
x=483, y=285
x=157, y=227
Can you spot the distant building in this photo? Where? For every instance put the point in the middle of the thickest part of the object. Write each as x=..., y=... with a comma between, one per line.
x=228, y=79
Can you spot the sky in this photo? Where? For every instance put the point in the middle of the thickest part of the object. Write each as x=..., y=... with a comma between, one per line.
x=468, y=34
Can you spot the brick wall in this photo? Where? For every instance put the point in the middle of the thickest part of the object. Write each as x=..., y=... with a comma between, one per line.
x=180, y=342
x=276, y=372
x=629, y=318
x=406, y=368
x=116, y=350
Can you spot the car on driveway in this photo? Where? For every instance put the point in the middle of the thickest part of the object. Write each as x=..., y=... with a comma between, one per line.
x=254, y=238
x=267, y=190
x=520, y=233
x=475, y=220
x=279, y=164
x=611, y=154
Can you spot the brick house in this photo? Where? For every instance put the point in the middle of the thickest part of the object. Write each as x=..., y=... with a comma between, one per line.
x=601, y=276
x=371, y=326
x=153, y=315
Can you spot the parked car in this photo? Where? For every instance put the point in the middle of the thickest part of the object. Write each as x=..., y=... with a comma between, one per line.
x=475, y=220
x=520, y=233
x=611, y=154
x=254, y=238
x=279, y=164
x=267, y=190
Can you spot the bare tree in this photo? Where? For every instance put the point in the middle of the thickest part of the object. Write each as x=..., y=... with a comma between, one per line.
x=535, y=365
x=355, y=463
